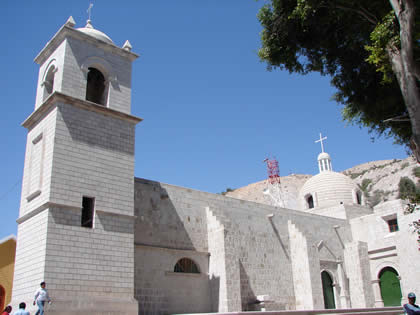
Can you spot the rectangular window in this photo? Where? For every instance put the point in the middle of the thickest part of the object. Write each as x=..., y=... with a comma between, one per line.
x=87, y=212
x=393, y=225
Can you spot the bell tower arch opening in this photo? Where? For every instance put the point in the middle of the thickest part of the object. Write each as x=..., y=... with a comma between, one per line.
x=96, y=86
x=48, y=80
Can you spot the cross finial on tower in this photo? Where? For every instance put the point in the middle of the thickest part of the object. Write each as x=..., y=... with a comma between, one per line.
x=320, y=140
x=89, y=11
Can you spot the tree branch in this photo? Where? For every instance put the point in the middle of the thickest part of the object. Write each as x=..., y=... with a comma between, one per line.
x=370, y=14
x=358, y=11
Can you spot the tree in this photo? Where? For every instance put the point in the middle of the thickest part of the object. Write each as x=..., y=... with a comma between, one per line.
x=407, y=190
x=227, y=191
x=416, y=171
x=371, y=50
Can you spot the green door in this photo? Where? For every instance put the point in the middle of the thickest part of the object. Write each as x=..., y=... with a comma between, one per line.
x=390, y=287
x=327, y=289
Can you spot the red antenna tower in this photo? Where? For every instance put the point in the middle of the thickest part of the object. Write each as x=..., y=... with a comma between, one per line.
x=273, y=170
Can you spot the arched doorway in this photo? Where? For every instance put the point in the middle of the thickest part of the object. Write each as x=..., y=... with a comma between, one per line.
x=328, y=290
x=2, y=298
x=390, y=287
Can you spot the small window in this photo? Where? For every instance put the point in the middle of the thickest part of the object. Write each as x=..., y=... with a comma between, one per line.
x=95, y=89
x=87, y=212
x=359, y=197
x=393, y=225
x=310, y=201
x=186, y=265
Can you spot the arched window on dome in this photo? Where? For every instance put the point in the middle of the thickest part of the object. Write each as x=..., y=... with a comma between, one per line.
x=359, y=197
x=309, y=201
x=96, y=87
x=186, y=265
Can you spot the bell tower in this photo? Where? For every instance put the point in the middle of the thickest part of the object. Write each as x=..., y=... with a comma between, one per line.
x=76, y=219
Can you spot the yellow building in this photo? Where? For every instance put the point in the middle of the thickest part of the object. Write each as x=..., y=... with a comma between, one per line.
x=7, y=266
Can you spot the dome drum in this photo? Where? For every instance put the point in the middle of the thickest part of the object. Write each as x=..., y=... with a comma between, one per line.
x=328, y=189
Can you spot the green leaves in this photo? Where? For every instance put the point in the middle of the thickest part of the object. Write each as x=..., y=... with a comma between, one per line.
x=385, y=36
x=347, y=40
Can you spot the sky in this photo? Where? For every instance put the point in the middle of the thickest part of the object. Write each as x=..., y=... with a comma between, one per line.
x=212, y=112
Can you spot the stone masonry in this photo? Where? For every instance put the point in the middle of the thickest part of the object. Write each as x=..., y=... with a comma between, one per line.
x=109, y=243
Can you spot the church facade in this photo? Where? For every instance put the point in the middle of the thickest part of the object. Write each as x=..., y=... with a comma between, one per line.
x=106, y=242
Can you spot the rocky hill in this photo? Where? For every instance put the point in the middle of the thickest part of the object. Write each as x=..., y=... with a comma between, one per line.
x=378, y=180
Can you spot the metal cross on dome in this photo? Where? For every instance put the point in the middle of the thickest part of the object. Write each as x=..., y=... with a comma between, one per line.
x=89, y=10
x=320, y=140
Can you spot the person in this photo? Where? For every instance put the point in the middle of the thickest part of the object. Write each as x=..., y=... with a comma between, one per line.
x=7, y=310
x=21, y=310
x=41, y=296
x=411, y=308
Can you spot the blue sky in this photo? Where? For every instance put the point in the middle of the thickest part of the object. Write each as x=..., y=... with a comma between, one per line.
x=212, y=112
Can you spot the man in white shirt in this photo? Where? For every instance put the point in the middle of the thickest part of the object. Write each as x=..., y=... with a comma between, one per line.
x=41, y=296
x=21, y=310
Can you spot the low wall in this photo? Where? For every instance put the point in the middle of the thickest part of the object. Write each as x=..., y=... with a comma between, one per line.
x=350, y=311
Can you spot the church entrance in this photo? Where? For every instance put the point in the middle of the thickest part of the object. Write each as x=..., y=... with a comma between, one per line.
x=327, y=289
x=390, y=287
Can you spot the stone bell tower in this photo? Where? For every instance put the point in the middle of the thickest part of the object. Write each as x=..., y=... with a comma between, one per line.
x=76, y=220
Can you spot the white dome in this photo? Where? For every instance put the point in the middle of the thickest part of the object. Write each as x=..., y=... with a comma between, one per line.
x=328, y=189
x=89, y=30
x=323, y=155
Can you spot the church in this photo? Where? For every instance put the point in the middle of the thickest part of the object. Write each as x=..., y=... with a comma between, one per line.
x=107, y=242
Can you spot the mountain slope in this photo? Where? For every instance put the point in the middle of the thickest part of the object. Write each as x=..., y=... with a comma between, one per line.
x=377, y=179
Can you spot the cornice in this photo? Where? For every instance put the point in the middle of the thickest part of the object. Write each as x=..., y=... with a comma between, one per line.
x=58, y=97
x=67, y=31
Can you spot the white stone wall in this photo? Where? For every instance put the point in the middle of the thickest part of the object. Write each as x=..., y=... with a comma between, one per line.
x=38, y=163
x=30, y=259
x=74, y=153
x=249, y=252
x=170, y=216
x=72, y=58
x=93, y=157
x=160, y=290
x=390, y=249
x=84, y=154
x=84, y=263
x=300, y=267
x=343, y=211
x=409, y=253
x=217, y=263
x=358, y=271
x=117, y=72
x=338, y=212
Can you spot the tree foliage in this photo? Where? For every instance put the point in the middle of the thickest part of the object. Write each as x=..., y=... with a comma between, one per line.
x=356, y=43
x=408, y=190
x=364, y=186
x=416, y=171
x=227, y=191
